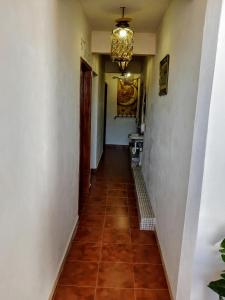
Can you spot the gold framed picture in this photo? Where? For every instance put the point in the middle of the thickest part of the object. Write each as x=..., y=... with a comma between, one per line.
x=127, y=98
x=164, y=76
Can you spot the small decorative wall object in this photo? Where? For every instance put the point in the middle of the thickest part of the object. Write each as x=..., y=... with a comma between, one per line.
x=127, y=98
x=164, y=75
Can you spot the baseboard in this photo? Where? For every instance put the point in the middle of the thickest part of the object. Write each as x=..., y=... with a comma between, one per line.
x=62, y=262
x=164, y=268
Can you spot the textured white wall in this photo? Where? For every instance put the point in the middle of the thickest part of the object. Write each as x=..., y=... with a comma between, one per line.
x=202, y=262
x=170, y=124
x=117, y=130
x=207, y=261
x=39, y=140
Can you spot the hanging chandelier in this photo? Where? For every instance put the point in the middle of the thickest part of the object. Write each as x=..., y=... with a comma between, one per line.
x=122, y=42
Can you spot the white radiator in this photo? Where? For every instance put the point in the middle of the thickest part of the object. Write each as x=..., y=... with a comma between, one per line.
x=146, y=215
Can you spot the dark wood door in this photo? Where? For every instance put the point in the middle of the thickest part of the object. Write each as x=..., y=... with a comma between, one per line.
x=85, y=130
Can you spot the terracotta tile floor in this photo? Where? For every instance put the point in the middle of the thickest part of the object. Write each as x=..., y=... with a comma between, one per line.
x=110, y=258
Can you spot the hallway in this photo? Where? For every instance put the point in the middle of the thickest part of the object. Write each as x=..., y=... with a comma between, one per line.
x=110, y=258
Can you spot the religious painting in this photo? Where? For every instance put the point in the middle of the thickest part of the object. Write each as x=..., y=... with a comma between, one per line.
x=127, y=98
x=164, y=75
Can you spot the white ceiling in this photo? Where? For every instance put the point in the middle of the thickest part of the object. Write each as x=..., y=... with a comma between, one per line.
x=146, y=14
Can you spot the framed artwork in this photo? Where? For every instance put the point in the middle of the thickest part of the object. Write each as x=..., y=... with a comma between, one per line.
x=164, y=76
x=127, y=98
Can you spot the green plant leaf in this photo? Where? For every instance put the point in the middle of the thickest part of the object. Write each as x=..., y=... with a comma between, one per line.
x=218, y=287
x=222, y=250
x=223, y=257
x=222, y=245
x=222, y=275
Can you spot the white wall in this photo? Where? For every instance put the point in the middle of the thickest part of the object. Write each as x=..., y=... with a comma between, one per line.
x=144, y=43
x=204, y=259
x=148, y=73
x=97, y=111
x=117, y=130
x=94, y=112
x=207, y=261
x=39, y=140
x=170, y=123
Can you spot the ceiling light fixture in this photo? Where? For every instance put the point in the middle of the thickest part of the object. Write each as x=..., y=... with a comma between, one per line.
x=122, y=42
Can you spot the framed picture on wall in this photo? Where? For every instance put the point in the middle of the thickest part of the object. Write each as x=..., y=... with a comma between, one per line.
x=127, y=98
x=164, y=76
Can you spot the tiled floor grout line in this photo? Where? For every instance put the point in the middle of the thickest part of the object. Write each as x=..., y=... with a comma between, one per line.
x=100, y=257
x=110, y=261
x=132, y=252
x=132, y=263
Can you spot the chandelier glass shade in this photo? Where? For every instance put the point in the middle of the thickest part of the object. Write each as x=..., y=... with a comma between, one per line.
x=123, y=65
x=122, y=44
x=122, y=41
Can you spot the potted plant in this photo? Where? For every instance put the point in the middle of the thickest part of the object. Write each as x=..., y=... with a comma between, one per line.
x=218, y=286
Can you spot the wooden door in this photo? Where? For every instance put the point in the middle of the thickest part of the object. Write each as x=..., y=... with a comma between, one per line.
x=85, y=130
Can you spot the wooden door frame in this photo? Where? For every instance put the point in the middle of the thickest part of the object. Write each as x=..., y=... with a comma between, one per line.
x=85, y=129
x=105, y=113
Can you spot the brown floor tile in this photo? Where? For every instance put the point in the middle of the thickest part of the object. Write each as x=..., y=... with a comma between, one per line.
x=117, y=201
x=117, y=222
x=88, y=235
x=82, y=274
x=152, y=295
x=117, y=193
x=131, y=188
x=143, y=237
x=149, y=276
x=146, y=254
x=100, y=179
x=117, y=253
x=115, y=294
x=84, y=252
x=115, y=275
x=93, y=209
x=131, y=193
x=98, y=187
x=117, y=186
x=83, y=198
x=91, y=220
x=134, y=222
x=116, y=236
x=108, y=240
x=74, y=293
x=132, y=202
x=95, y=200
x=133, y=211
x=117, y=211
x=96, y=194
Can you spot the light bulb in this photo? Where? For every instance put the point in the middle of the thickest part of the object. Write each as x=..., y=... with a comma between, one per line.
x=123, y=33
